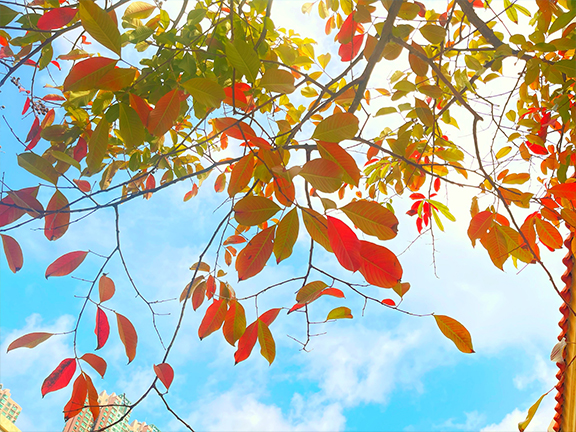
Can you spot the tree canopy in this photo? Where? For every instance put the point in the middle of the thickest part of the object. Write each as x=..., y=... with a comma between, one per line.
x=218, y=96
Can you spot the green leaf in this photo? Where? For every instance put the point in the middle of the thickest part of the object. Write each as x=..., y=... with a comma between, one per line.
x=433, y=33
x=286, y=235
x=97, y=146
x=562, y=21
x=337, y=127
x=385, y=111
x=131, y=127
x=38, y=166
x=63, y=157
x=278, y=80
x=243, y=58
x=207, y=92
x=253, y=210
x=6, y=15
x=99, y=25
x=339, y=313
x=138, y=10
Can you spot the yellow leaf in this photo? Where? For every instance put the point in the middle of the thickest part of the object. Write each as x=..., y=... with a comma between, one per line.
x=531, y=411
x=456, y=332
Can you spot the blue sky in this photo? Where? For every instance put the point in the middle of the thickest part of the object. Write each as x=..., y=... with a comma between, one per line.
x=380, y=371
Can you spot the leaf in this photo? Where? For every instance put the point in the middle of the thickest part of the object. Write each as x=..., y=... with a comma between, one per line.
x=344, y=243
x=92, y=398
x=56, y=18
x=141, y=107
x=202, y=266
x=13, y=253
x=207, y=92
x=246, y=343
x=564, y=190
x=333, y=152
x=38, y=166
x=286, y=235
x=60, y=377
x=56, y=224
x=189, y=289
x=98, y=146
x=267, y=344
x=419, y=66
x=496, y=245
x=165, y=373
x=339, y=313
x=243, y=58
x=252, y=259
x=106, y=288
x=66, y=264
x=234, y=128
x=97, y=362
x=213, y=318
x=424, y=113
x=379, y=266
x=372, y=218
x=548, y=234
x=254, y=210
x=102, y=329
x=241, y=174
x=128, y=336
x=6, y=15
x=100, y=25
x=29, y=340
x=310, y=292
x=317, y=227
x=116, y=79
x=338, y=127
x=530, y=415
x=269, y=316
x=322, y=174
x=138, y=10
x=479, y=225
x=456, y=332
x=198, y=294
x=278, y=80
x=76, y=402
x=234, y=323
x=85, y=74
x=433, y=33
x=349, y=51
x=162, y=117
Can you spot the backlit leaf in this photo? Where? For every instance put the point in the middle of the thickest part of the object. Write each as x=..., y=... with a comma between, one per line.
x=246, y=343
x=234, y=323
x=13, y=253
x=243, y=58
x=379, y=266
x=29, y=340
x=198, y=295
x=85, y=74
x=128, y=336
x=269, y=316
x=92, y=398
x=337, y=127
x=56, y=18
x=60, y=377
x=418, y=65
x=548, y=234
x=76, y=402
x=564, y=190
x=278, y=80
x=66, y=264
x=372, y=218
x=456, y=332
x=241, y=174
x=479, y=225
x=100, y=25
x=97, y=362
x=38, y=166
x=98, y=146
x=495, y=243
x=207, y=92
x=102, y=329
x=252, y=259
x=339, y=313
x=344, y=243
x=286, y=235
x=138, y=10
x=267, y=344
x=213, y=318
x=162, y=117
x=322, y=174
x=106, y=288
x=310, y=292
x=253, y=210
x=530, y=415
x=131, y=127
x=165, y=374
x=317, y=227
x=116, y=79
x=433, y=33
x=56, y=224
x=336, y=154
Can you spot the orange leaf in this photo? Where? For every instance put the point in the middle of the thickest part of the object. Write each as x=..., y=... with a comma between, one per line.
x=76, y=402
x=269, y=316
x=210, y=286
x=234, y=128
x=13, y=253
x=198, y=295
x=220, y=183
x=241, y=174
x=128, y=336
x=141, y=107
x=564, y=190
x=106, y=288
x=548, y=234
x=102, y=329
x=317, y=227
x=213, y=318
x=246, y=342
x=372, y=218
x=333, y=152
x=495, y=243
x=92, y=398
x=162, y=117
x=419, y=66
x=56, y=224
x=267, y=344
x=253, y=210
x=85, y=74
x=456, y=332
x=479, y=225
x=252, y=259
x=165, y=373
x=234, y=239
x=234, y=323
x=8, y=213
x=284, y=190
x=310, y=292
x=344, y=243
x=286, y=235
x=66, y=264
x=379, y=266
x=322, y=174
x=97, y=362
x=29, y=341
x=334, y=292
x=60, y=377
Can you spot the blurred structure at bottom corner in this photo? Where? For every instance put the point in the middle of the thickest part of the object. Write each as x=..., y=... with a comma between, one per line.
x=117, y=407
x=9, y=411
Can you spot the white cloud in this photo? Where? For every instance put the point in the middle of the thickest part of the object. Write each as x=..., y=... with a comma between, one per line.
x=539, y=423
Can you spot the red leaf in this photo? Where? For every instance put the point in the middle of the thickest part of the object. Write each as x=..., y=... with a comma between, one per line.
x=165, y=373
x=60, y=377
x=537, y=148
x=8, y=213
x=234, y=239
x=66, y=264
x=162, y=117
x=141, y=107
x=389, y=302
x=102, y=329
x=213, y=318
x=437, y=184
x=268, y=317
x=97, y=362
x=234, y=128
x=380, y=266
x=26, y=106
x=128, y=336
x=56, y=224
x=80, y=149
x=56, y=18
x=55, y=63
x=564, y=190
x=347, y=30
x=76, y=402
x=350, y=50
x=13, y=253
x=246, y=342
x=296, y=307
x=210, y=286
x=252, y=259
x=85, y=74
x=334, y=292
x=344, y=243
x=198, y=295
x=83, y=185
x=29, y=341
x=34, y=130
